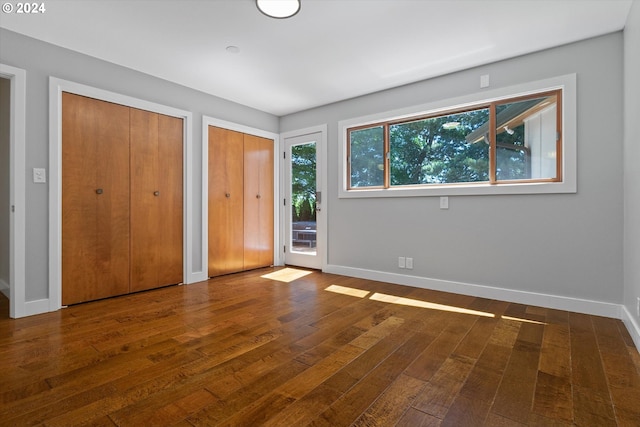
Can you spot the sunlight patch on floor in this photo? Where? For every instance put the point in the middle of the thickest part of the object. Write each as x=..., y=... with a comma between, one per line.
x=345, y=290
x=519, y=319
x=392, y=299
x=286, y=275
x=425, y=304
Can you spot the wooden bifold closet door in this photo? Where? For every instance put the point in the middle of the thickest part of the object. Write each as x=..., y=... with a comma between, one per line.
x=240, y=201
x=95, y=199
x=156, y=200
x=122, y=199
x=258, y=202
x=226, y=201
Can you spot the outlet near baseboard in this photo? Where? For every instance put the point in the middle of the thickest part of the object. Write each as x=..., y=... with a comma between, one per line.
x=405, y=262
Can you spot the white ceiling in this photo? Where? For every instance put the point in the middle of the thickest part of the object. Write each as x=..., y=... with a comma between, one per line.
x=330, y=51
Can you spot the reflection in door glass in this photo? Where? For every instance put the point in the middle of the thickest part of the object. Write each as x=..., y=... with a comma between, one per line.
x=303, y=198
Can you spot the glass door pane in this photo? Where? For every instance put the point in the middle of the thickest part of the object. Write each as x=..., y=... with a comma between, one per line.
x=303, y=223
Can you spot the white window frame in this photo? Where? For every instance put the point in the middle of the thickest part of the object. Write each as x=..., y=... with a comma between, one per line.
x=566, y=83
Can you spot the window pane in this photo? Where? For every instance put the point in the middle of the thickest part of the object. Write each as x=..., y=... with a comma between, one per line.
x=367, y=157
x=439, y=150
x=526, y=139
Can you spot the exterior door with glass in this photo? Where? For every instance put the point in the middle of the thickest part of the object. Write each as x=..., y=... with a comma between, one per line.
x=303, y=201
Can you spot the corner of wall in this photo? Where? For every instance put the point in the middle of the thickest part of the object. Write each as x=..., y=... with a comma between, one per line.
x=631, y=150
x=632, y=326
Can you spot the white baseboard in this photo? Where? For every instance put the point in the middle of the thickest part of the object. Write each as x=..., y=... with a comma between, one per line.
x=577, y=305
x=41, y=306
x=5, y=289
x=632, y=326
x=37, y=307
x=197, y=276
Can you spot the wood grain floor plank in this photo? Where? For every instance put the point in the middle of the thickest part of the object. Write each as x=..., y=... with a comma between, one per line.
x=389, y=408
x=444, y=385
x=466, y=411
x=414, y=418
x=357, y=399
x=553, y=398
x=515, y=394
x=555, y=353
x=250, y=350
x=441, y=347
x=592, y=407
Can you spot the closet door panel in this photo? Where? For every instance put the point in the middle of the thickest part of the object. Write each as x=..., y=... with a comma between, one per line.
x=226, y=232
x=95, y=199
x=258, y=209
x=145, y=221
x=170, y=198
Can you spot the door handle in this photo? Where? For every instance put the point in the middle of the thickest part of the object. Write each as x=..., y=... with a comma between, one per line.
x=257, y=196
x=156, y=193
x=99, y=191
x=227, y=195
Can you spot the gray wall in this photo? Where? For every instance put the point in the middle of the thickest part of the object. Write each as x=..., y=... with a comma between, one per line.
x=631, y=156
x=565, y=245
x=42, y=60
x=5, y=96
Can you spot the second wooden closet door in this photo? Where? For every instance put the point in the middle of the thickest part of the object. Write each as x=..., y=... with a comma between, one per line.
x=258, y=202
x=240, y=201
x=226, y=200
x=156, y=200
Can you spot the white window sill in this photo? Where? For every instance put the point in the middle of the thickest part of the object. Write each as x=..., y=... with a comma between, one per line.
x=479, y=189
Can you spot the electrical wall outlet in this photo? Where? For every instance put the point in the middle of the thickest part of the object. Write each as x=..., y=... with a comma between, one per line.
x=638, y=307
x=409, y=263
x=401, y=262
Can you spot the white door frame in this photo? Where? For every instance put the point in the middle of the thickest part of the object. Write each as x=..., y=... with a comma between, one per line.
x=321, y=184
x=212, y=121
x=17, y=191
x=56, y=87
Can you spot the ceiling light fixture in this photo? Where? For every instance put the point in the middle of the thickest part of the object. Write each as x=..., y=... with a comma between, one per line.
x=278, y=9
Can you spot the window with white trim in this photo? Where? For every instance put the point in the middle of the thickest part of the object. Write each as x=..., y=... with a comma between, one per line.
x=514, y=143
x=511, y=140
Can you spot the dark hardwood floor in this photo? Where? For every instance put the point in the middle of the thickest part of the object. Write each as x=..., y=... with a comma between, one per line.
x=320, y=350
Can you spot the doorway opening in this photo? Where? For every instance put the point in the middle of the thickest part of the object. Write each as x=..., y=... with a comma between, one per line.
x=5, y=195
x=303, y=200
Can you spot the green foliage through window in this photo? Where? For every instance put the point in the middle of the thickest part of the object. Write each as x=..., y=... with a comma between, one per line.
x=303, y=182
x=367, y=157
x=435, y=151
x=456, y=147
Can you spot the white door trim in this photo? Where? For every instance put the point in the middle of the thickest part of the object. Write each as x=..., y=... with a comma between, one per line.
x=56, y=87
x=17, y=191
x=322, y=220
x=212, y=121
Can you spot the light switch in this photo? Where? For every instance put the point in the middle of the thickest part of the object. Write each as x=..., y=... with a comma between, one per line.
x=39, y=175
x=484, y=80
x=401, y=262
x=444, y=202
